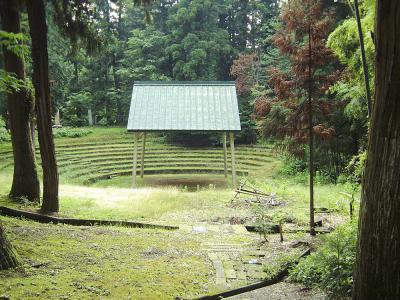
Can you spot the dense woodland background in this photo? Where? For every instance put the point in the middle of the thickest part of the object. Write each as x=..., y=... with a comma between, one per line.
x=219, y=40
x=300, y=81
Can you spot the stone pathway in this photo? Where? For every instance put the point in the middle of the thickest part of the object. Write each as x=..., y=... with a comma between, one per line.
x=236, y=264
x=235, y=267
x=239, y=259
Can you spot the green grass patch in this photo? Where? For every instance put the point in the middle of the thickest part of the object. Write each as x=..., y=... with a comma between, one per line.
x=128, y=204
x=71, y=132
x=62, y=262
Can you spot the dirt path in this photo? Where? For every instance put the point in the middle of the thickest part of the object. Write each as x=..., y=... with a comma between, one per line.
x=282, y=291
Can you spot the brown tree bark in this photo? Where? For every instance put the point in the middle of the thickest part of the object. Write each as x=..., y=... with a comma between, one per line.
x=8, y=256
x=20, y=106
x=311, y=132
x=38, y=33
x=377, y=274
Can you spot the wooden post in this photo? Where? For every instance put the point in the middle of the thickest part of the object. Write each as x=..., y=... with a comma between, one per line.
x=143, y=150
x=135, y=156
x=225, y=156
x=232, y=144
x=90, y=117
x=363, y=59
x=57, y=119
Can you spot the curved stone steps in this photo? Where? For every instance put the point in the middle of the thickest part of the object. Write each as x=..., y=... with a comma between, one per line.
x=151, y=153
x=157, y=159
x=71, y=171
x=93, y=179
x=184, y=166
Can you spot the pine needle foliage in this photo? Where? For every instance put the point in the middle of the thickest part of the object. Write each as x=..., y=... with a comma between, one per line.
x=286, y=113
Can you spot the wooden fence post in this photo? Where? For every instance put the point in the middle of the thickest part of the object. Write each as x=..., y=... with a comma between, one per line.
x=143, y=150
x=232, y=144
x=225, y=155
x=135, y=156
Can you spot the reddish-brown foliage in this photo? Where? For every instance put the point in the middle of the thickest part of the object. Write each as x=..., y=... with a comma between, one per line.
x=246, y=68
x=288, y=112
x=262, y=107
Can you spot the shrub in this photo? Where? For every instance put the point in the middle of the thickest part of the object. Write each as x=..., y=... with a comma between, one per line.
x=298, y=170
x=70, y=132
x=355, y=168
x=75, y=110
x=293, y=166
x=331, y=266
x=262, y=222
x=4, y=134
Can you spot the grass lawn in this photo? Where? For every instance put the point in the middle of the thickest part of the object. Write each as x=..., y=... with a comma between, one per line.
x=65, y=262
x=62, y=262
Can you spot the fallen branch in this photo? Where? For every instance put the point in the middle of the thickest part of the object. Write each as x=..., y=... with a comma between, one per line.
x=42, y=218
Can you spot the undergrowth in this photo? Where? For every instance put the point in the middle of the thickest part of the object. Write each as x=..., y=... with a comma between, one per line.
x=331, y=266
x=283, y=261
x=71, y=132
x=4, y=134
x=299, y=173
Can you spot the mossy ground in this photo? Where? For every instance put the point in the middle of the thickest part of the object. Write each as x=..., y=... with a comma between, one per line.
x=64, y=262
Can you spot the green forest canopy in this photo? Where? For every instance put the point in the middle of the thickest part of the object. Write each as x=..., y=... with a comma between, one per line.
x=203, y=40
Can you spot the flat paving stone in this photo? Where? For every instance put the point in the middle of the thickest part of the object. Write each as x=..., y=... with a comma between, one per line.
x=228, y=264
x=230, y=274
x=256, y=275
x=199, y=229
x=219, y=269
x=212, y=256
x=241, y=275
x=230, y=259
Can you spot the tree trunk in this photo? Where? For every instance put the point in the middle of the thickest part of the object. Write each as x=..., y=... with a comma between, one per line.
x=363, y=58
x=116, y=57
x=8, y=256
x=311, y=133
x=377, y=274
x=20, y=106
x=38, y=32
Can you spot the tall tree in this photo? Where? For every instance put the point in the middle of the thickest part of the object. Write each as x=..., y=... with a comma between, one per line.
x=20, y=106
x=38, y=32
x=247, y=70
x=144, y=57
x=102, y=28
x=197, y=44
x=8, y=256
x=301, y=105
x=377, y=274
x=344, y=42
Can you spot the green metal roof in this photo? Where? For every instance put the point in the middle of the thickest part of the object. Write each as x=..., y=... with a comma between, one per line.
x=184, y=106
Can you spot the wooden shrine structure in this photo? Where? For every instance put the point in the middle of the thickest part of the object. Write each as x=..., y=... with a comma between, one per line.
x=177, y=106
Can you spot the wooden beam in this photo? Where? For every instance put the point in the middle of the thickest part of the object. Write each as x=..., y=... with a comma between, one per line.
x=225, y=155
x=143, y=150
x=232, y=144
x=135, y=157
